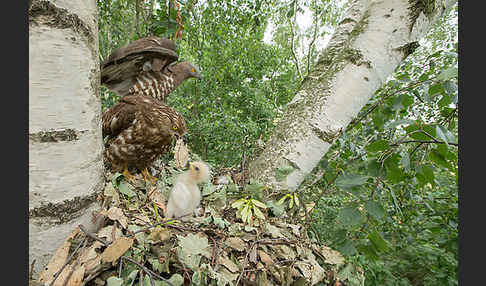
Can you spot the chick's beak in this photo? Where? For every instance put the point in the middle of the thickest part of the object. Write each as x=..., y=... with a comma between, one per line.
x=188, y=164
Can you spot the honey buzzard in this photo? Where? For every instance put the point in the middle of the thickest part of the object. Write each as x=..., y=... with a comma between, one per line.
x=139, y=128
x=146, y=67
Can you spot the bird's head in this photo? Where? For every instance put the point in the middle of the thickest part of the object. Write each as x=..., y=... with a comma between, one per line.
x=199, y=172
x=191, y=70
x=178, y=125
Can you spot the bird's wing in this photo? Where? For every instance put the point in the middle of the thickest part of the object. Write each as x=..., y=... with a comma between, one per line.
x=120, y=116
x=118, y=73
x=181, y=196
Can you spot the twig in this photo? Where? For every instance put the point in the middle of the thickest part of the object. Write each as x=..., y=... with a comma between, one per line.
x=424, y=142
x=354, y=122
x=415, y=149
x=31, y=269
x=149, y=272
x=93, y=236
x=245, y=262
x=83, y=242
x=157, y=224
x=262, y=241
x=214, y=251
x=314, y=36
x=292, y=40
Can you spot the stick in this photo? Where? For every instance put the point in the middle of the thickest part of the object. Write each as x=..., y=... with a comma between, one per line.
x=67, y=261
x=148, y=271
x=93, y=236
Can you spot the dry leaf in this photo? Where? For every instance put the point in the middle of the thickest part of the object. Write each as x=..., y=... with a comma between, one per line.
x=236, y=243
x=264, y=257
x=253, y=255
x=117, y=214
x=156, y=196
x=228, y=263
x=107, y=233
x=115, y=250
x=141, y=219
x=77, y=276
x=58, y=259
x=181, y=154
x=63, y=276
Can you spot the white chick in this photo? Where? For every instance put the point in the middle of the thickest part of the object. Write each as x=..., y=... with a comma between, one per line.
x=185, y=195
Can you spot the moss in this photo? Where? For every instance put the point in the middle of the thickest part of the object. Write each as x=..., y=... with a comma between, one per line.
x=55, y=136
x=46, y=13
x=420, y=6
x=64, y=211
x=408, y=48
x=360, y=26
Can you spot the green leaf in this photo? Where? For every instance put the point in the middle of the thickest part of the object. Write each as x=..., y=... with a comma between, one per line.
x=238, y=203
x=208, y=189
x=444, y=101
x=405, y=161
x=282, y=199
x=440, y=134
x=175, y=279
x=282, y=172
x=348, y=181
x=436, y=89
x=114, y=179
x=378, y=241
x=379, y=145
x=114, y=281
x=448, y=74
x=259, y=204
x=296, y=199
x=349, y=217
x=258, y=213
x=254, y=187
x=375, y=210
x=276, y=209
x=428, y=173
x=346, y=248
x=439, y=159
x=126, y=189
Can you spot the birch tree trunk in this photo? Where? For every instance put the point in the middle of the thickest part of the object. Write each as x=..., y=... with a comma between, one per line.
x=374, y=37
x=65, y=144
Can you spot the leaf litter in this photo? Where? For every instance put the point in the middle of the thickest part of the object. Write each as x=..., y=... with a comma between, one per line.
x=214, y=249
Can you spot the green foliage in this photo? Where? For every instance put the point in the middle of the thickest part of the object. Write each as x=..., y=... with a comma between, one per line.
x=393, y=173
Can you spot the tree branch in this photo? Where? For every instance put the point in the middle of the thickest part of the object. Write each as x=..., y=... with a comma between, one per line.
x=314, y=36
x=292, y=40
x=425, y=142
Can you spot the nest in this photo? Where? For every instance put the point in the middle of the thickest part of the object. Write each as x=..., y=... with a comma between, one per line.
x=133, y=243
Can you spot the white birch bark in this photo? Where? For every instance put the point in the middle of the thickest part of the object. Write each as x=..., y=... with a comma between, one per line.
x=369, y=43
x=65, y=144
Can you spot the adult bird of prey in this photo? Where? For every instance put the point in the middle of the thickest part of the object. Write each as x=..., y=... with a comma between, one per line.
x=146, y=67
x=139, y=128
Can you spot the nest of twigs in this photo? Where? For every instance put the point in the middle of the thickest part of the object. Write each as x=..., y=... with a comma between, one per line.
x=135, y=245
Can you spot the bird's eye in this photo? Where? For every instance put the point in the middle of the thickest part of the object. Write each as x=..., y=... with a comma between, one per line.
x=197, y=168
x=175, y=128
x=193, y=70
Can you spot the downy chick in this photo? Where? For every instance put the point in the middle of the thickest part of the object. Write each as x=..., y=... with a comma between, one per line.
x=185, y=195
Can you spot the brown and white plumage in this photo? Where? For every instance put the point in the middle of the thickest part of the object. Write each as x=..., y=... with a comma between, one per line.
x=124, y=64
x=139, y=128
x=145, y=67
x=160, y=84
x=185, y=195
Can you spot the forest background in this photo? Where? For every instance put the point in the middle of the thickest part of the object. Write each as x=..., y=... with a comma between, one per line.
x=386, y=194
